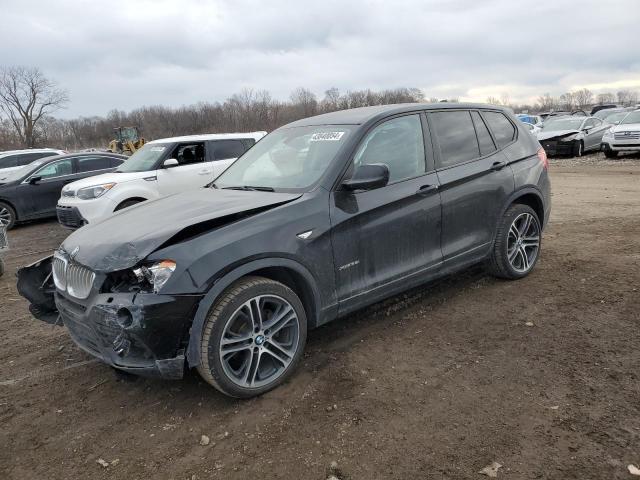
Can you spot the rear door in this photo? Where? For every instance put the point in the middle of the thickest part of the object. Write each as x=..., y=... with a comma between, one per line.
x=223, y=153
x=193, y=170
x=475, y=180
x=385, y=235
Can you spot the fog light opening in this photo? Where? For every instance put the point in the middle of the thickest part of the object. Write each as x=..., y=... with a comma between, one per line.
x=124, y=318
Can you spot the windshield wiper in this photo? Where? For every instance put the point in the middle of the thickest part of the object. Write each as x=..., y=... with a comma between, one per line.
x=250, y=188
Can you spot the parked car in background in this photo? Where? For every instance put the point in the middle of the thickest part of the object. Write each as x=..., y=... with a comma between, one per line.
x=15, y=159
x=531, y=119
x=612, y=115
x=624, y=137
x=533, y=129
x=571, y=135
x=32, y=191
x=324, y=216
x=160, y=168
x=599, y=108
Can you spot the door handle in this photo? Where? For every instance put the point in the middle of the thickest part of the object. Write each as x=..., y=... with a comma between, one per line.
x=498, y=166
x=204, y=172
x=425, y=189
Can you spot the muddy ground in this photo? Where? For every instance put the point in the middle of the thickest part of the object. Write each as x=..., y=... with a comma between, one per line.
x=541, y=375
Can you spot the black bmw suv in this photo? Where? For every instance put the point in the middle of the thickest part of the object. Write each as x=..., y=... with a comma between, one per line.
x=320, y=218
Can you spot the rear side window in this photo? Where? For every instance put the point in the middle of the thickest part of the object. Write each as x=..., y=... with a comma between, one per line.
x=9, y=161
x=456, y=137
x=227, y=149
x=27, y=158
x=484, y=137
x=503, y=130
x=91, y=164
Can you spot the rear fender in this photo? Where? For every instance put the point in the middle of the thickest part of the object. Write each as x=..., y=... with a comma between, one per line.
x=35, y=283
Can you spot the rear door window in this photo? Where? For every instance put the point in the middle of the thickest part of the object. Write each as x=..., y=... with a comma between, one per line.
x=484, y=137
x=92, y=164
x=456, y=137
x=503, y=130
x=227, y=149
x=9, y=161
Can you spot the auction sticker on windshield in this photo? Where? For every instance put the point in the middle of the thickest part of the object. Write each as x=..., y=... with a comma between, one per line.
x=157, y=149
x=327, y=136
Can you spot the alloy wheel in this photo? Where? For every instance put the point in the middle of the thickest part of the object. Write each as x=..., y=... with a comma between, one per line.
x=523, y=242
x=259, y=341
x=5, y=216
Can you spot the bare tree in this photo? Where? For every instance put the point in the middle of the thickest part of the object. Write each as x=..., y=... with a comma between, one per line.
x=26, y=97
x=627, y=97
x=606, y=97
x=493, y=100
x=583, y=98
x=568, y=101
x=547, y=102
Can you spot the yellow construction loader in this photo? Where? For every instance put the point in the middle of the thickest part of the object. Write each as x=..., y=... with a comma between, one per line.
x=127, y=140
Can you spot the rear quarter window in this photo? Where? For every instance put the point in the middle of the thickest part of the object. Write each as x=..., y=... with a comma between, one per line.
x=503, y=130
x=9, y=161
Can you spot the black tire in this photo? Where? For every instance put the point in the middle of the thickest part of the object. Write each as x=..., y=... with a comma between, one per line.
x=499, y=264
x=611, y=154
x=7, y=214
x=1, y=267
x=578, y=148
x=211, y=368
x=126, y=204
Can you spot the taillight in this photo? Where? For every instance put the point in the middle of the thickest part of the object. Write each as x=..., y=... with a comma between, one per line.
x=542, y=155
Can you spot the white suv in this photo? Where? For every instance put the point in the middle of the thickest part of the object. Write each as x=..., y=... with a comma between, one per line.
x=15, y=159
x=160, y=168
x=623, y=137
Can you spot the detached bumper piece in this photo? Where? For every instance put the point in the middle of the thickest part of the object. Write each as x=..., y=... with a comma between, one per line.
x=555, y=147
x=137, y=333
x=70, y=217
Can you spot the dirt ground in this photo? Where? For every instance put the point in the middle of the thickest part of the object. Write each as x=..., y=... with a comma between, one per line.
x=541, y=375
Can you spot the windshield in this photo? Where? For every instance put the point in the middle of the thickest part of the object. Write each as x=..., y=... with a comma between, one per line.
x=290, y=158
x=563, y=124
x=633, y=117
x=614, y=117
x=602, y=114
x=144, y=159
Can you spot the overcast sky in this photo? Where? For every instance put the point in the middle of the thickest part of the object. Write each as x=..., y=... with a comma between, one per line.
x=124, y=54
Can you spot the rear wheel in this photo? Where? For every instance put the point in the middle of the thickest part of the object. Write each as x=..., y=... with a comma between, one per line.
x=253, y=338
x=578, y=149
x=7, y=215
x=517, y=245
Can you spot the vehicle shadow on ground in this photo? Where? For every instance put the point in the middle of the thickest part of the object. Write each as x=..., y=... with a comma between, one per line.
x=323, y=344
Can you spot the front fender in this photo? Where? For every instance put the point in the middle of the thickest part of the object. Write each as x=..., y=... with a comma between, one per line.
x=195, y=337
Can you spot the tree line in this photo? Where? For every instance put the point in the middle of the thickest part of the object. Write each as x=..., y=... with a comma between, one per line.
x=28, y=101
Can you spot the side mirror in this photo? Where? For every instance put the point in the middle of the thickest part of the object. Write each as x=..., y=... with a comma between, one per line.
x=368, y=177
x=170, y=163
x=34, y=180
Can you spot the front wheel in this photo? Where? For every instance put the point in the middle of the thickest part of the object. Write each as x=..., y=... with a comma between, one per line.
x=578, y=149
x=7, y=215
x=610, y=153
x=253, y=338
x=517, y=245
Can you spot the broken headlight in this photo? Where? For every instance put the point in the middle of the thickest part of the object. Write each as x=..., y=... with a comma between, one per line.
x=89, y=193
x=156, y=274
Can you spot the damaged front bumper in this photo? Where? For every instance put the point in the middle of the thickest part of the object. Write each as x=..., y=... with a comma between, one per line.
x=558, y=147
x=140, y=333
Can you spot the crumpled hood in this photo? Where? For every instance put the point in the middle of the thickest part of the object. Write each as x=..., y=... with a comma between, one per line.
x=124, y=239
x=542, y=135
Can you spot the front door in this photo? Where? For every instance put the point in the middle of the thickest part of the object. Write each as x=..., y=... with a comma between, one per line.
x=42, y=195
x=594, y=129
x=384, y=235
x=193, y=170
